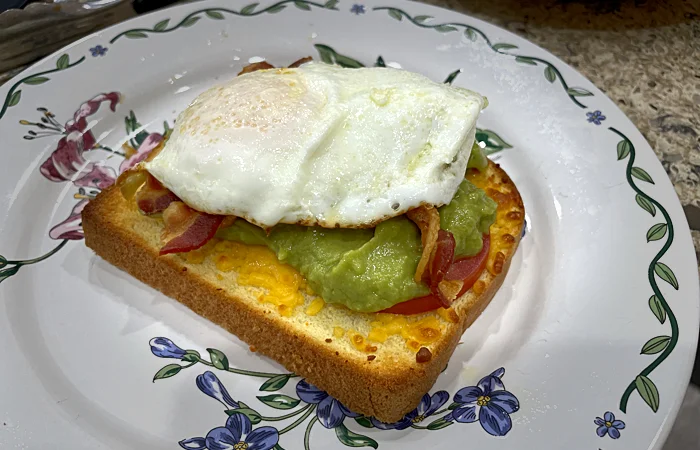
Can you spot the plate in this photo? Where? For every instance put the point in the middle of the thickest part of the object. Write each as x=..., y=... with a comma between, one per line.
x=590, y=339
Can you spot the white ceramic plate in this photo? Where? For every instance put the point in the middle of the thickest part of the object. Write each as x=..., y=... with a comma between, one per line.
x=592, y=333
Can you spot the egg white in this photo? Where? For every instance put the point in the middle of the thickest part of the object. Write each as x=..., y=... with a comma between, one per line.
x=320, y=144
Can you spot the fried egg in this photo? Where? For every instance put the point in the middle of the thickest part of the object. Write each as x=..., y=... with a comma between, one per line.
x=320, y=145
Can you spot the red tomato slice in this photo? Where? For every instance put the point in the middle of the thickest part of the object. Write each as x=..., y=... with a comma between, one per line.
x=416, y=305
x=466, y=269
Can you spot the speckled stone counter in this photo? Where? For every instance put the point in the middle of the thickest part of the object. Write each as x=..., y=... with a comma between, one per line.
x=645, y=57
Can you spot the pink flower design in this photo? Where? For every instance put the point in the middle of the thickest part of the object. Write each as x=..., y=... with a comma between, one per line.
x=71, y=228
x=151, y=142
x=67, y=163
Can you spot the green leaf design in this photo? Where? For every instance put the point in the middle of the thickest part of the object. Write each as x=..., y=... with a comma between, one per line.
x=62, y=62
x=216, y=15
x=470, y=34
x=347, y=62
x=451, y=77
x=380, y=62
x=578, y=92
x=623, y=149
x=439, y=424
x=277, y=447
x=325, y=52
x=445, y=28
x=656, y=232
x=135, y=35
x=330, y=56
x=331, y=4
x=648, y=391
x=302, y=5
x=453, y=406
x=279, y=401
x=275, y=383
x=364, y=421
x=657, y=308
x=8, y=272
x=218, y=359
x=36, y=80
x=666, y=274
x=246, y=10
x=189, y=22
x=494, y=143
x=525, y=60
x=14, y=98
x=550, y=74
x=395, y=13
x=646, y=205
x=503, y=46
x=421, y=19
x=3, y=261
x=162, y=25
x=275, y=9
x=655, y=345
x=641, y=174
x=347, y=437
x=253, y=415
x=191, y=356
x=168, y=371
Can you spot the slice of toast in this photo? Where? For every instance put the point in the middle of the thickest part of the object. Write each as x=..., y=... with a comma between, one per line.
x=384, y=380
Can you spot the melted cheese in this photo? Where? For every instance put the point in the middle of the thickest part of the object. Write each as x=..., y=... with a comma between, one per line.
x=258, y=266
x=416, y=332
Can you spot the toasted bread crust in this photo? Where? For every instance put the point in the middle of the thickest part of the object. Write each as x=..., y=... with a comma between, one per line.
x=386, y=387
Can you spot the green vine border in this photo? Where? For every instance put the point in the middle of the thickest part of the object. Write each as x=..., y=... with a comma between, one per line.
x=14, y=95
x=662, y=344
x=218, y=14
x=551, y=73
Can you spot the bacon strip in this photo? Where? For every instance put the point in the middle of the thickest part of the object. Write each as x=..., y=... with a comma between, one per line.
x=153, y=197
x=428, y=220
x=442, y=257
x=256, y=66
x=299, y=62
x=187, y=229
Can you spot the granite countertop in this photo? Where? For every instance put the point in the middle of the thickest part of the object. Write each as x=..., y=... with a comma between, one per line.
x=644, y=55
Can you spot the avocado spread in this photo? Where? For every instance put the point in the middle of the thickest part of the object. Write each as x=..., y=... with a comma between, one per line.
x=370, y=270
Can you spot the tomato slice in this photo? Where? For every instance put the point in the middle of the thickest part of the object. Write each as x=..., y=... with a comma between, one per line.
x=415, y=305
x=466, y=269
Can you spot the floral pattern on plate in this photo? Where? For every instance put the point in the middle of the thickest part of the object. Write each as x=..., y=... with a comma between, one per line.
x=488, y=403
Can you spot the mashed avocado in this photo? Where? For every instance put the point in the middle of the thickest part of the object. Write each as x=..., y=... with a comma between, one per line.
x=370, y=269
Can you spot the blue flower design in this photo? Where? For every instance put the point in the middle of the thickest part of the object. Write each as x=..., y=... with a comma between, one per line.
x=595, y=117
x=488, y=402
x=330, y=412
x=98, y=50
x=608, y=425
x=165, y=348
x=237, y=434
x=357, y=9
x=211, y=386
x=428, y=405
